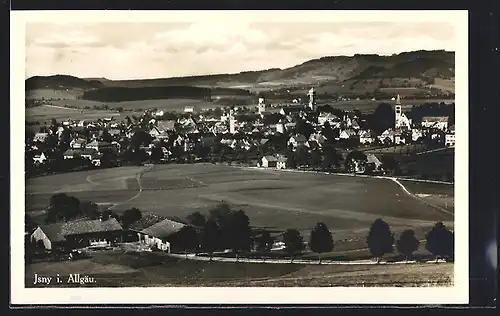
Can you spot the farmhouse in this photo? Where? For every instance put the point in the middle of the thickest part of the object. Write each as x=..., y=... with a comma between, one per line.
x=78, y=234
x=39, y=158
x=347, y=133
x=366, y=137
x=278, y=162
x=392, y=136
x=158, y=234
x=373, y=164
x=298, y=140
x=189, y=109
x=437, y=122
x=40, y=137
x=416, y=134
x=324, y=117
x=158, y=113
x=99, y=146
x=78, y=143
x=318, y=139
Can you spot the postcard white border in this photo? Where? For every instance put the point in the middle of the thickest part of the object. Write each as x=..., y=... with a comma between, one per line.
x=217, y=295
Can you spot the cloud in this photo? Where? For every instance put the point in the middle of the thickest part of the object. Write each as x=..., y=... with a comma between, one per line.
x=147, y=50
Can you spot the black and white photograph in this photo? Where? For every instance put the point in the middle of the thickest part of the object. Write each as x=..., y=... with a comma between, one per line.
x=243, y=157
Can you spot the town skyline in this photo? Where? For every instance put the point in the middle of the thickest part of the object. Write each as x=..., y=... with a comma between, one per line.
x=223, y=47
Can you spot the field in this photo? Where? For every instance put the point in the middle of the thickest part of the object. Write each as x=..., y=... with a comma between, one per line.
x=44, y=114
x=347, y=205
x=436, y=194
x=277, y=200
x=156, y=269
x=166, y=104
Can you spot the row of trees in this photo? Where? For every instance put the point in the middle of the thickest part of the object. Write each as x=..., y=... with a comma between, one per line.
x=228, y=229
x=63, y=207
x=225, y=228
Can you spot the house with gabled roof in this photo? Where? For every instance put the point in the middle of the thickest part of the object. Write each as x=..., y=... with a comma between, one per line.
x=366, y=137
x=324, y=117
x=318, y=139
x=78, y=143
x=297, y=140
x=347, y=133
x=436, y=122
x=158, y=234
x=40, y=157
x=78, y=234
x=99, y=145
x=40, y=137
x=276, y=161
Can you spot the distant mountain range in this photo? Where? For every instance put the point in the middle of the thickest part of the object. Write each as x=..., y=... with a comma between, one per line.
x=336, y=74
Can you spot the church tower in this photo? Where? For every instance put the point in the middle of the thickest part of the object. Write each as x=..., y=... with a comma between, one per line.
x=261, y=106
x=398, y=112
x=312, y=99
x=232, y=122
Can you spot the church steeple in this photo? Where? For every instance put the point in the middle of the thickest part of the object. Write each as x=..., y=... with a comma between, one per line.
x=398, y=100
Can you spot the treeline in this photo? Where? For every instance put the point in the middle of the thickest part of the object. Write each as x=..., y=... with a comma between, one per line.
x=226, y=229
x=120, y=94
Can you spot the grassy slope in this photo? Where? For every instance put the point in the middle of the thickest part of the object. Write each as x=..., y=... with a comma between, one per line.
x=281, y=200
x=156, y=269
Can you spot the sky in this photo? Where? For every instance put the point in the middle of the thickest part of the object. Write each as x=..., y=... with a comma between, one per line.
x=119, y=50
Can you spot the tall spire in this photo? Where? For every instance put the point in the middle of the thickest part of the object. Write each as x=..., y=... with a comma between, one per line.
x=398, y=100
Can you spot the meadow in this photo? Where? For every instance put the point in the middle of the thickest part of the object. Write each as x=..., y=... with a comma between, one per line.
x=44, y=114
x=157, y=269
x=177, y=105
x=277, y=200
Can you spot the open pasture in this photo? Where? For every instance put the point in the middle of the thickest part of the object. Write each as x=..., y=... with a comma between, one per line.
x=368, y=105
x=100, y=186
x=45, y=113
x=281, y=200
x=434, y=193
x=162, y=104
x=157, y=269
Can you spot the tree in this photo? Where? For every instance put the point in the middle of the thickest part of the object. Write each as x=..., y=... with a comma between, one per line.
x=89, y=209
x=440, y=241
x=196, y=219
x=210, y=237
x=304, y=128
x=380, y=239
x=221, y=214
x=106, y=136
x=130, y=216
x=62, y=207
x=29, y=223
x=264, y=242
x=301, y=155
x=294, y=243
x=239, y=232
x=315, y=159
x=407, y=243
x=187, y=239
x=156, y=154
x=331, y=157
x=321, y=240
x=291, y=161
x=389, y=163
x=382, y=118
x=355, y=161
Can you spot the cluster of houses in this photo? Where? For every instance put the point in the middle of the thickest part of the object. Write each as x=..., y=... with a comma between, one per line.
x=238, y=129
x=151, y=231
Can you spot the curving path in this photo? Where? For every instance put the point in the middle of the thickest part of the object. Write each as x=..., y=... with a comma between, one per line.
x=138, y=179
x=288, y=261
